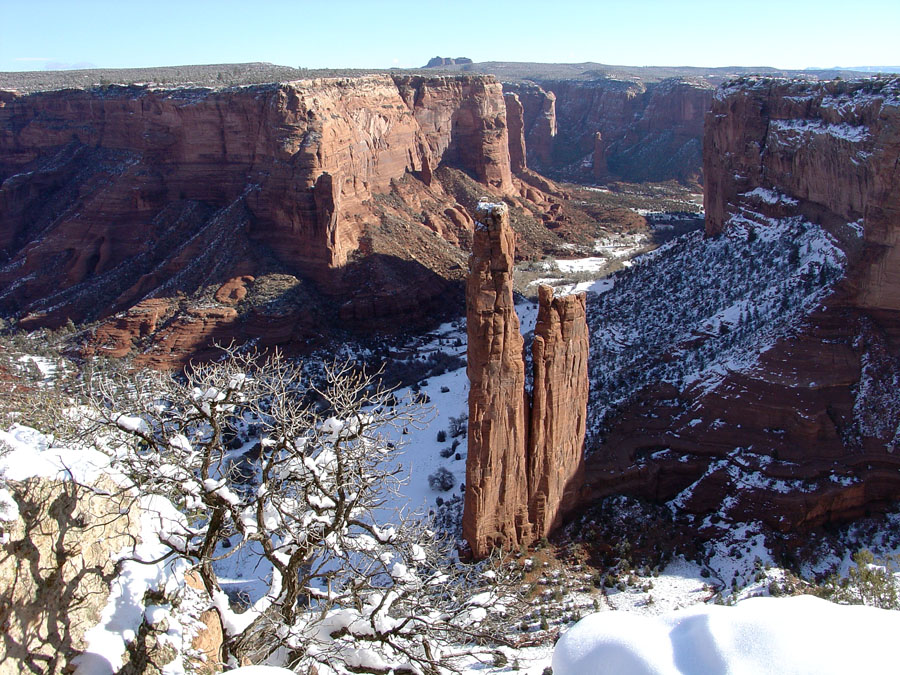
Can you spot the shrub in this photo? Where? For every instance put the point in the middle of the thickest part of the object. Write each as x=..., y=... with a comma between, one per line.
x=459, y=426
x=320, y=474
x=441, y=480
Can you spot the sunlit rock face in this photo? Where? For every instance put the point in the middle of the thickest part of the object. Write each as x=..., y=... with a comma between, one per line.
x=115, y=196
x=525, y=452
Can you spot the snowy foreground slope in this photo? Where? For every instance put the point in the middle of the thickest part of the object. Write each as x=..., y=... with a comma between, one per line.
x=761, y=635
x=671, y=631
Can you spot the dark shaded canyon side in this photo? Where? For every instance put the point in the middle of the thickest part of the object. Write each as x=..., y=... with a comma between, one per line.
x=648, y=131
x=525, y=456
x=819, y=411
x=115, y=200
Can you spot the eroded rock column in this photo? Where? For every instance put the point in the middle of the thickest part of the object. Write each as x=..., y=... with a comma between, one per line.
x=525, y=458
x=515, y=125
x=496, y=502
x=558, y=408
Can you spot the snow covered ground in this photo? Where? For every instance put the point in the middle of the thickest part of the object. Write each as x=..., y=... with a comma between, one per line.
x=800, y=634
x=666, y=628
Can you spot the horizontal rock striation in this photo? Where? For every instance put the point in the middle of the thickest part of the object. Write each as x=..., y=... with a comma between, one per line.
x=113, y=196
x=525, y=453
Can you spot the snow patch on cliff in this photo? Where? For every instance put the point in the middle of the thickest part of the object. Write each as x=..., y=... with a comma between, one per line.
x=844, y=131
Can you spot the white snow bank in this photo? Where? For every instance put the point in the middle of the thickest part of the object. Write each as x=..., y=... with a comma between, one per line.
x=261, y=670
x=36, y=454
x=593, y=264
x=800, y=634
x=9, y=510
x=121, y=618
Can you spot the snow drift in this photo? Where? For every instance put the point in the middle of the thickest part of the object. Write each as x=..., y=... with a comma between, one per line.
x=801, y=634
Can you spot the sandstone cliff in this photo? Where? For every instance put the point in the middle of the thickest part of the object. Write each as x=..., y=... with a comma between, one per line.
x=525, y=453
x=538, y=119
x=787, y=411
x=118, y=196
x=496, y=504
x=558, y=408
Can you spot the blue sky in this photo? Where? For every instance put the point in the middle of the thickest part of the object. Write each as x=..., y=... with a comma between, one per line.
x=36, y=34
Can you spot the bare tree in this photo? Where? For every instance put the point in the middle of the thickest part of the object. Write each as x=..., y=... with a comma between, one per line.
x=345, y=590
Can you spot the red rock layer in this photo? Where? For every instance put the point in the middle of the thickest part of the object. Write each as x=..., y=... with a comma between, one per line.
x=92, y=180
x=538, y=119
x=833, y=147
x=516, y=126
x=496, y=500
x=524, y=458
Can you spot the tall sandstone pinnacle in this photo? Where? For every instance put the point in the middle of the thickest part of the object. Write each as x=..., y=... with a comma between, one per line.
x=525, y=454
x=496, y=504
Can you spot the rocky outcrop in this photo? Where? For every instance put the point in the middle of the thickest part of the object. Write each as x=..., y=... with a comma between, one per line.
x=806, y=432
x=525, y=453
x=516, y=131
x=538, y=119
x=121, y=195
x=56, y=564
x=826, y=152
x=558, y=408
x=441, y=61
x=599, y=167
x=496, y=500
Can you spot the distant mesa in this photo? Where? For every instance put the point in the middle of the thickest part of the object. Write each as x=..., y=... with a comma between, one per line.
x=441, y=61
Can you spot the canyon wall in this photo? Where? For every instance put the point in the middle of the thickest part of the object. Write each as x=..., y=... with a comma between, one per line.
x=649, y=131
x=807, y=431
x=832, y=148
x=538, y=119
x=525, y=453
x=118, y=196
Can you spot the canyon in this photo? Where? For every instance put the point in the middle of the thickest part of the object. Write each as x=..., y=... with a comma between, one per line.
x=161, y=220
x=176, y=217
x=804, y=432
x=795, y=427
